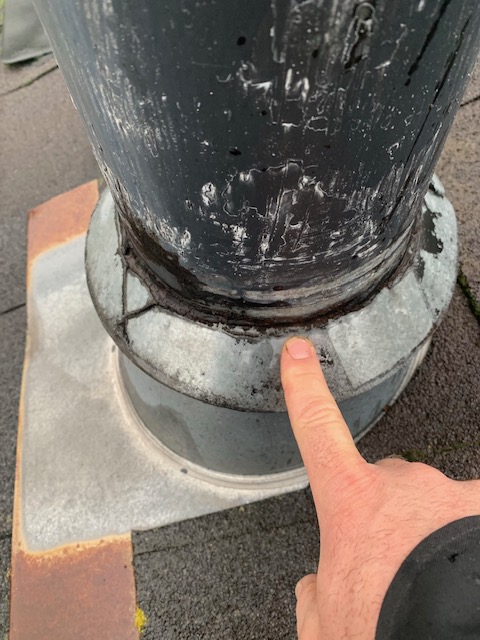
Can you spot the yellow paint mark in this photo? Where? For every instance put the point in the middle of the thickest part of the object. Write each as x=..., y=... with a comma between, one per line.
x=140, y=619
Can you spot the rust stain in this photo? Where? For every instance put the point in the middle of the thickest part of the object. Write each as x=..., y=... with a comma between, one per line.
x=83, y=591
x=60, y=219
x=76, y=593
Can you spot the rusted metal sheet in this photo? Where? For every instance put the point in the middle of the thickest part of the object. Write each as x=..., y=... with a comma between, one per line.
x=80, y=591
x=60, y=219
x=74, y=593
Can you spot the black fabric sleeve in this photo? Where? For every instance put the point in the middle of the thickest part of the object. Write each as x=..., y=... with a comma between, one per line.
x=435, y=594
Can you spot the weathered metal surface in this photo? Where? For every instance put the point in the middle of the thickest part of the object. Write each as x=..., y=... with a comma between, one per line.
x=240, y=443
x=277, y=155
x=83, y=590
x=73, y=214
x=238, y=368
x=212, y=394
x=78, y=592
x=88, y=468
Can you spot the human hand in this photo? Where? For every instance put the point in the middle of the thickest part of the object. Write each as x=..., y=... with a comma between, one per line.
x=371, y=516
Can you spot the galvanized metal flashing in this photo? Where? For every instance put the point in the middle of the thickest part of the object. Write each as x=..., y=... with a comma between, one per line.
x=211, y=389
x=89, y=469
x=85, y=589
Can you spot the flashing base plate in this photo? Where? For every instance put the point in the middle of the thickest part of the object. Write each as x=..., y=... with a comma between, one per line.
x=88, y=467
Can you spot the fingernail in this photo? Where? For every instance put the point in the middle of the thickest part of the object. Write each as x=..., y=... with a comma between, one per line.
x=300, y=348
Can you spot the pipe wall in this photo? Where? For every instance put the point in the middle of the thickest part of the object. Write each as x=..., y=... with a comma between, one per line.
x=266, y=155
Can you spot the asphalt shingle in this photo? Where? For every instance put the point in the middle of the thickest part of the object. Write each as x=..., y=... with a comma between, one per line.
x=458, y=169
x=5, y=552
x=12, y=332
x=44, y=152
x=436, y=420
x=228, y=575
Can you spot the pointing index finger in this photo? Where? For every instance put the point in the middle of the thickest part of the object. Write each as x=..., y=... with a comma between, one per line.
x=323, y=437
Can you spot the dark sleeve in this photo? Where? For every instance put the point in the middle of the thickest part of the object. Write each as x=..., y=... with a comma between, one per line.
x=435, y=594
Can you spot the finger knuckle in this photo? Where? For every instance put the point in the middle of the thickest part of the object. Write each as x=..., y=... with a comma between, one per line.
x=354, y=487
x=422, y=471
